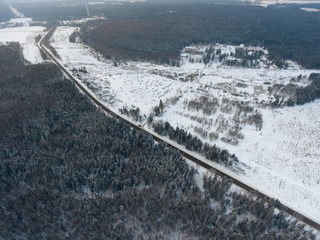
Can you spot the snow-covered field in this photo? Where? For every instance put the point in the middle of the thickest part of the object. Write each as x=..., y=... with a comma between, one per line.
x=284, y=158
x=19, y=30
x=280, y=157
x=127, y=85
x=310, y=9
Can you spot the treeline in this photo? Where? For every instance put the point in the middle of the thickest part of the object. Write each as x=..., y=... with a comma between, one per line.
x=242, y=57
x=311, y=92
x=291, y=94
x=11, y=60
x=134, y=113
x=158, y=32
x=126, y=39
x=74, y=37
x=11, y=55
x=193, y=143
x=68, y=171
x=52, y=11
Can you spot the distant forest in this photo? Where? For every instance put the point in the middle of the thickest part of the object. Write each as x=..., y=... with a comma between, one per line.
x=52, y=11
x=68, y=171
x=158, y=32
x=5, y=12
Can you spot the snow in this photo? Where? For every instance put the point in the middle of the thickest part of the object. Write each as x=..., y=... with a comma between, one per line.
x=310, y=9
x=283, y=158
x=82, y=20
x=25, y=35
x=249, y=181
x=280, y=159
x=23, y=21
x=286, y=153
x=266, y=3
x=126, y=85
x=97, y=3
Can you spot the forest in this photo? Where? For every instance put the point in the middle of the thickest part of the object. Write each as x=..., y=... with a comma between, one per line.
x=193, y=143
x=5, y=12
x=153, y=31
x=158, y=32
x=291, y=94
x=69, y=171
x=311, y=92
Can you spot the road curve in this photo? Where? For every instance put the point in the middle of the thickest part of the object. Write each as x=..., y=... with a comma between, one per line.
x=187, y=155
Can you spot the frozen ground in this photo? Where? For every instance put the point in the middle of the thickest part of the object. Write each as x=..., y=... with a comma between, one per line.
x=280, y=157
x=19, y=30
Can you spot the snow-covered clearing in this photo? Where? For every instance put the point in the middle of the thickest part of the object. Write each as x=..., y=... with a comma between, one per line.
x=284, y=158
x=310, y=9
x=280, y=156
x=266, y=3
x=96, y=3
x=82, y=20
x=19, y=30
x=127, y=85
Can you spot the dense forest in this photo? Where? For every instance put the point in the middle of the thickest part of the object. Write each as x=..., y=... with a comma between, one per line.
x=68, y=171
x=158, y=32
x=193, y=143
x=291, y=94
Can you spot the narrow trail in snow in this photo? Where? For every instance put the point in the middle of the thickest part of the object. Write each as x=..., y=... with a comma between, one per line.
x=16, y=12
x=87, y=9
